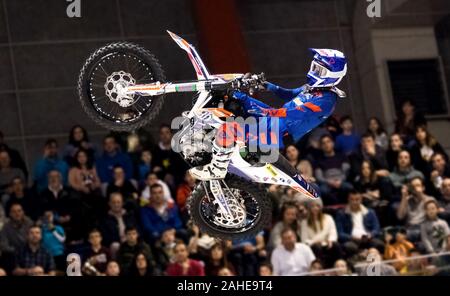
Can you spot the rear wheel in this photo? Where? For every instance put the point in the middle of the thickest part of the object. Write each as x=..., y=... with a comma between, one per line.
x=252, y=210
x=108, y=71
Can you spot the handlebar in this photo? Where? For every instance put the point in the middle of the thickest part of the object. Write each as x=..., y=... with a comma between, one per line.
x=247, y=82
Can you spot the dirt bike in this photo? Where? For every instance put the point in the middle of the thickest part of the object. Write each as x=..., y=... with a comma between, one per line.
x=122, y=86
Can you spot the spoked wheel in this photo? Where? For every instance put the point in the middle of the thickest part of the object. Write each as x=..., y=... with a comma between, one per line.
x=249, y=204
x=104, y=78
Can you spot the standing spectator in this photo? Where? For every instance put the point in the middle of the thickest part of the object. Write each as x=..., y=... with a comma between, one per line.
x=289, y=219
x=184, y=190
x=123, y=185
x=434, y=231
x=395, y=146
x=53, y=238
x=50, y=161
x=168, y=164
x=407, y=121
x=404, y=171
x=116, y=221
x=78, y=140
x=319, y=232
x=33, y=258
x=16, y=159
x=331, y=172
x=159, y=215
x=440, y=169
x=142, y=267
x=96, y=257
x=412, y=207
x=399, y=250
x=358, y=227
x=132, y=247
x=183, y=265
x=66, y=206
x=145, y=165
x=217, y=261
x=291, y=257
x=14, y=233
x=112, y=157
x=152, y=179
x=348, y=141
x=423, y=148
x=18, y=193
x=7, y=173
x=371, y=152
x=375, y=127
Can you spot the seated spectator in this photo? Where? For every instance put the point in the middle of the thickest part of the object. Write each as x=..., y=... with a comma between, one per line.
x=217, y=260
x=319, y=232
x=183, y=265
x=376, y=128
x=371, y=152
x=18, y=193
x=225, y=271
x=131, y=247
x=50, y=161
x=53, y=238
x=423, y=148
x=33, y=259
x=395, y=146
x=64, y=204
x=96, y=257
x=184, y=190
x=433, y=231
x=404, y=172
x=316, y=267
x=444, y=202
x=292, y=155
x=164, y=248
x=342, y=268
x=115, y=222
x=291, y=258
x=382, y=269
x=412, y=207
x=142, y=267
x=112, y=157
x=78, y=140
x=160, y=215
x=289, y=219
x=265, y=269
x=16, y=160
x=152, y=179
x=14, y=233
x=7, y=172
x=439, y=169
x=2, y=217
x=124, y=186
x=358, y=227
x=399, y=250
x=145, y=165
x=331, y=172
x=407, y=121
x=83, y=175
x=246, y=254
x=348, y=141
x=419, y=265
x=112, y=269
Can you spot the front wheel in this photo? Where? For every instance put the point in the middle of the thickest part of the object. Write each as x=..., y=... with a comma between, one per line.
x=104, y=76
x=251, y=215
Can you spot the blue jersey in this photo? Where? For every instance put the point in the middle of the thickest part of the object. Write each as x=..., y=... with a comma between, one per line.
x=304, y=110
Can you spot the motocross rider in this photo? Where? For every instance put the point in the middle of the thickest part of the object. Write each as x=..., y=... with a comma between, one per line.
x=306, y=107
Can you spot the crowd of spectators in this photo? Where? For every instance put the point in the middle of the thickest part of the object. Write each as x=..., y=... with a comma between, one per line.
x=122, y=207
